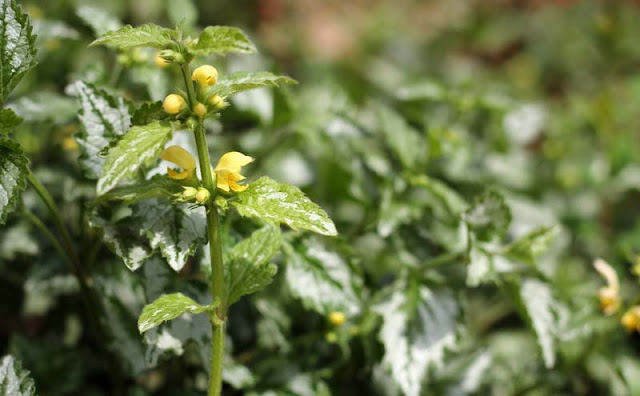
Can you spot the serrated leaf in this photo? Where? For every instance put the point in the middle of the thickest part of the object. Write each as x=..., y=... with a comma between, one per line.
x=533, y=244
x=222, y=40
x=419, y=325
x=243, y=81
x=159, y=186
x=489, y=216
x=321, y=278
x=174, y=229
x=104, y=118
x=148, y=113
x=13, y=175
x=140, y=146
x=122, y=238
x=167, y=307
x=45, y=106
x=17, y=46
x=14, y=380
x=248, y=269
x=537, y=299
x=275, y=203
x=100, y=20
x=148, y=35
x=8, y=121
x=404, y=141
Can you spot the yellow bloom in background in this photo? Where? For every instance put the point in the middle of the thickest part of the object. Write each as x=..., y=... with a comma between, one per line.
x=160, y=61
x=631, y=319
x=173, y=104
x=610, y=294
x=228, y=171
x=205, y=75
x=182, y=158
x=337, y=318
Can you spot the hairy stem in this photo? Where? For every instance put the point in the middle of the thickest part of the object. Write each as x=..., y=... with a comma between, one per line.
x=215, y=246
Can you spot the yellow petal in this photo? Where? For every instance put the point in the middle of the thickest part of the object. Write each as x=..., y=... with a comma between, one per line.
x=233, y=161
x=180, y=157
x=222, y=181
x=608, y=273
x=178, y=175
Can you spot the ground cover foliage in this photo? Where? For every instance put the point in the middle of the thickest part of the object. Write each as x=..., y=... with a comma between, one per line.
x=473, y=171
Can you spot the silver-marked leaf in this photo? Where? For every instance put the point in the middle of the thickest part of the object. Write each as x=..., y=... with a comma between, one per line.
x=148, y=35
x=140, y=146
x=480, y=267
x=14, y=380
x=167, y=307
x=174, y=229
x=321, y=278
x=8, y=121
x=276, y=203
x=17, y=46
x=221, y=40
x=489, y=216
x=533, y=244
x=244, y=81
x=420, y=324
x=540, y=307
x=404, y=141
x=13, y=174
x=45, y=106
x=248, y=269
x=100, y=20
x=158, y=186
x=104, y=118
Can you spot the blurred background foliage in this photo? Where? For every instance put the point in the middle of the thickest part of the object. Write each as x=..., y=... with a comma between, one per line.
x=413, y=120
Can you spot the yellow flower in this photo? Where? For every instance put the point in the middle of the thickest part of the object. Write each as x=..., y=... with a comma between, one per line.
x=173, y=104
x=182, y=158
x=337, y=318
x=205, y=75
x=228, y=171
x=610, y=294
x=216, y=102
x=631, y=319
x=199, y=109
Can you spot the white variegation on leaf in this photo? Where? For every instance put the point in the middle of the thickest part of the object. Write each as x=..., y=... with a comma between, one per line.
x=244, y=81
x=148, y=35
x=140, y=146
x=419, y=325
x=14, y=380
x=404, y=141
x=540, y=308
x=321, y=278
x=13, y=174
x=221, y=40
x=276, y=203
x=104, y=118
x=480, y=267
x=167, y=307
x=100, y=20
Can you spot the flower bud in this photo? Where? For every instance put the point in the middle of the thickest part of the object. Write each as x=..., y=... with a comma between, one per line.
x=216, y=102
x=173, y=104
x=331, y=337
x=202, y=195
x=200, y=110
x=171, y=56
x=205, y=75
x=160, y=61
x=337, y=318
x=631, y=319
x=189, y=194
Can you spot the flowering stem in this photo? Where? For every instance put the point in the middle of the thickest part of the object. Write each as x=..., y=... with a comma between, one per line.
x=215, y=248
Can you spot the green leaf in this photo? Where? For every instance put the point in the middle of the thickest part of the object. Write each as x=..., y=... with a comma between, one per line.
x=222, y=40
x=14, y=380
x=148, y=113
x=243, y=81
x=321, y=278
x=174, y=229
x=104, y=119
x=158, y=186
x=148, y=35
x=276, y=203
x=540, y=308
x=533, y=244
x=17, y=46
x=447, y=197
x=45, y=106
x=8, y=121
x=100, y=20
x=167, y=307
x=480, y=267
x=248, y=269
x=140, y=146
x=419, y=325
x=489, y=216
x=405, y=142
x=14, y=168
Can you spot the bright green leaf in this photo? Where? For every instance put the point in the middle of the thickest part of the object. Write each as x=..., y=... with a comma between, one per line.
x=140, y=146
x=13, y=174
x=104, y=118
x=167, y=307
x=221, y=40
x=275, y=203
x=148, y=113
x=8, y=121
x=243, y=81
x=100, y=20
x=17, y=46
x=419, y=325
x=14, y=380
x=533, y=244
x=157, y=187
x=489, y=216
x=148, y=35
x=248, y=269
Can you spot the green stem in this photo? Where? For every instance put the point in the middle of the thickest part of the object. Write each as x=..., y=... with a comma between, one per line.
x=48, y=234
x=215, y=247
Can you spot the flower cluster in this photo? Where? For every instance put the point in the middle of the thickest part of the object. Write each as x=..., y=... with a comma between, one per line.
x=610, y=300
x=206, y=102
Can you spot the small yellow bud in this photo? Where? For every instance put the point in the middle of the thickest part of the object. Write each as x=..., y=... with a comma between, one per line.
x=189, y=193
x=200, y=110
x=337, y=318
x=203, y=195
x=173, y=104
x=331, y=337
x=631, y=319
x=160, y=61
x=216, y=102
x=205, y=75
